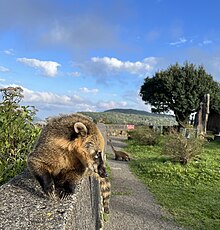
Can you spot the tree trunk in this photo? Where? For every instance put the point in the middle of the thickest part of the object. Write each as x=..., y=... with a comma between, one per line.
x=182, y=120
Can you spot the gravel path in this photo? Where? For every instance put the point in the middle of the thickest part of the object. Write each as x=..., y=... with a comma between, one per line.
x=132, y=206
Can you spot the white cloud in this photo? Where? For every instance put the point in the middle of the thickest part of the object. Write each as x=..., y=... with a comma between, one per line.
x=66, y=104
x=4, y=69
x=53, y=104
x=102, y=68
x=9, y=52
x=46, y=101
x=48, y=68
x=86, y=90
x=74, y=74
x=34, y=97
x=179, y=42
x=2, y=80
x=113, y=64
x=205, y=42
x=105, y=105
x=45, y=97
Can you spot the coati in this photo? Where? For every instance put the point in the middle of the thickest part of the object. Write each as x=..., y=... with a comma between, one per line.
x=119, y=154
x=69, y=148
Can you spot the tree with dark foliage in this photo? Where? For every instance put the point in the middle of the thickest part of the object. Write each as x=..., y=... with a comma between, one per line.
x=180, y=89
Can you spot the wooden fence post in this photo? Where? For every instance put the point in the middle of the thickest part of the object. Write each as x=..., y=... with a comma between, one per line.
x=203, y=114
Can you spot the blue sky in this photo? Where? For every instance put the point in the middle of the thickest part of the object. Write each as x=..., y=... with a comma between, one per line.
x=93, y=55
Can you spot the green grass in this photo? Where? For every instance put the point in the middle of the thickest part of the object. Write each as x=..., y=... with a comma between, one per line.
x=191, y=193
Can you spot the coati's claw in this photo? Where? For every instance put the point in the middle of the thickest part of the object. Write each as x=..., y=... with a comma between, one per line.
x=67, y=195
x=50, y=191
x=52, y=195
x=63, y=194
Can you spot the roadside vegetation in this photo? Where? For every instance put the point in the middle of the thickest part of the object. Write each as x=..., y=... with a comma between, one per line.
x=17, y=133
x=120, y=117
x=189, y=189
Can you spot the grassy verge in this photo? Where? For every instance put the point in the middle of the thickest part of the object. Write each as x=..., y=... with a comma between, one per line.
x=191, y=193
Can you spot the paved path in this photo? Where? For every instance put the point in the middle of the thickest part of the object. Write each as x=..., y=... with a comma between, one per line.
x=132, y=206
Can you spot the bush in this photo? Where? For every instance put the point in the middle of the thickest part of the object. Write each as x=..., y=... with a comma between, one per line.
x=144, y=135
x=182, y=149
x=17, y=133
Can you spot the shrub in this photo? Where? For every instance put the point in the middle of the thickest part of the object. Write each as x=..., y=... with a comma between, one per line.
x=182, y=149
x=144, y=135
x=17, y=133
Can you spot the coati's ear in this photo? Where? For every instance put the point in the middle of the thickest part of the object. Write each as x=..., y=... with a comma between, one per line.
x=80, y=128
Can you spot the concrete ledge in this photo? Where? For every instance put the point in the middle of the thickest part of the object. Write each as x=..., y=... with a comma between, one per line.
x=24, y=206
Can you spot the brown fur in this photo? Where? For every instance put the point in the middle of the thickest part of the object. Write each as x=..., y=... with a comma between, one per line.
x=105, y=187
x=119, y=154
x=69, y=148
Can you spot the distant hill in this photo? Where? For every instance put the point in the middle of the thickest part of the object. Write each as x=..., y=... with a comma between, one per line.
x=129, y=111
x=134, y=111
x=39, y=121
x=131, y=116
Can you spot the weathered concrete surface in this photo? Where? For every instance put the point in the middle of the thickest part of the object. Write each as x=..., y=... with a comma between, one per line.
x=24, y=206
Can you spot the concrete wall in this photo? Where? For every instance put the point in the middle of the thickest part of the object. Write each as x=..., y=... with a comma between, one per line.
x=24, y=206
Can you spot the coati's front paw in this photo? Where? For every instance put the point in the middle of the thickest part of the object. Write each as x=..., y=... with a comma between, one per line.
x=50, y=191
x=63, y=194
x=65, y=191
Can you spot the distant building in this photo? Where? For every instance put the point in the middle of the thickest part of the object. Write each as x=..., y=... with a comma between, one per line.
x=130, y=127
x=214, y=123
